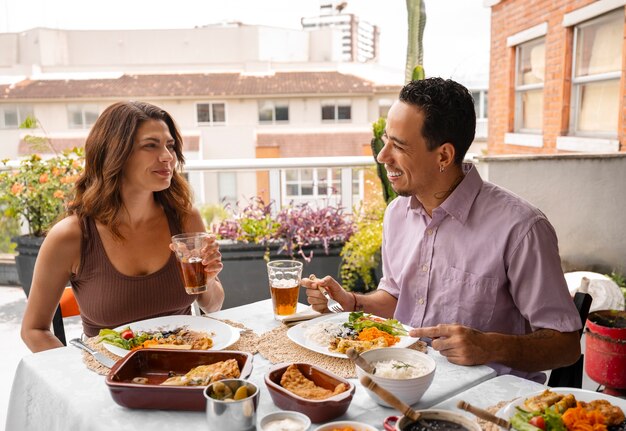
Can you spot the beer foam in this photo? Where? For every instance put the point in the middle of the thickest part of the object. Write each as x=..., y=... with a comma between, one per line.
x=283, y=284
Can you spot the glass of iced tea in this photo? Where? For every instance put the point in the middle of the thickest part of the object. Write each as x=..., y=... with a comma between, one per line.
x=284, y=277
x=188, y=250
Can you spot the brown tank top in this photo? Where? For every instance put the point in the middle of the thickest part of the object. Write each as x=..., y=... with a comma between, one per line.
x=108, y=298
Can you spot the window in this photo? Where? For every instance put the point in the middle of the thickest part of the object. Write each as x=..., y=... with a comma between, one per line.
x=312, y=183
x=596, y=70
x=336, y=111
x=82, y=116
x=530, y=68
x=273, y=112
x=11, y=116
x=211, y=113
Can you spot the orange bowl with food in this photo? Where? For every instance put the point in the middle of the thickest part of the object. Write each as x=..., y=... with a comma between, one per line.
x=309, y=389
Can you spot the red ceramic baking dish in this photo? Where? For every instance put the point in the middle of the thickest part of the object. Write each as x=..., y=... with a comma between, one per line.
x=317, y=410
x=156, y=365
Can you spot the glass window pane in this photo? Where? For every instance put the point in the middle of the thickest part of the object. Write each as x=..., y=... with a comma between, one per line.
x=291, y=175
x=306, y=174
x=75, y=116
x=282, y=113
x=344, y=112
x=266, y=112
x=599, y=106
x=90, y=118
x=292, y=190
x=328, y=112
x=383, y=107
x=531, y=62
x=307, y=189
x=10, y=117
x=599, y=45
x=532, y=109
x=203, y=112
x=219, y=113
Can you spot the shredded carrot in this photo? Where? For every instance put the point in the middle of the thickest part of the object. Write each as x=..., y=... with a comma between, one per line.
x=343, y=429
x=372, y=333
x=579, y=419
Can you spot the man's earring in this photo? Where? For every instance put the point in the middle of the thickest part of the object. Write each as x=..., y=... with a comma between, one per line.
x=441, y=168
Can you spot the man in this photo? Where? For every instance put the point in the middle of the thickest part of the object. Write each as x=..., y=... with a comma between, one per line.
x=466, y=263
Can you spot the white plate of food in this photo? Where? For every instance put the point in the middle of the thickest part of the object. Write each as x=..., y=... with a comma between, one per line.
x=317, y=334
x=220, y=334
x=510, y=409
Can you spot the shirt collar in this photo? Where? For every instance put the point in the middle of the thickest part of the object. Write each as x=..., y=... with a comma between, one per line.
x=460, y=201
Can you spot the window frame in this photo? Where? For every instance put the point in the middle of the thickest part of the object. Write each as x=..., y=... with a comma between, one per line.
x=21, y=110
x=83, y=111
x=274, y=105
x=336, y=103
x=211, y=121
x=522, y=89
x=578, y=82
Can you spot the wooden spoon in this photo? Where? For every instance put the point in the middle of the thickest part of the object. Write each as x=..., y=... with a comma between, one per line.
x=355, y=357
x=484, y=414
x=391, y=399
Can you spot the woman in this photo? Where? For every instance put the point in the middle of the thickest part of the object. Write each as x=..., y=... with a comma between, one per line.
x=113, y=245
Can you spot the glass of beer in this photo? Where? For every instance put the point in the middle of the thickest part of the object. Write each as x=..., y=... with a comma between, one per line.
x=188, y=250
x=284, y=277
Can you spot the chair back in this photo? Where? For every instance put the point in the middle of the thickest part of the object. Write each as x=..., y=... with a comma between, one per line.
x=572, y=375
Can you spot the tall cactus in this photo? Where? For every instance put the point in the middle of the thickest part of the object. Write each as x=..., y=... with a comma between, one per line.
x=377, y=145
x=416, y=13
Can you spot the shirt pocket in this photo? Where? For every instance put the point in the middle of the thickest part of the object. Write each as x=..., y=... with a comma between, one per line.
x=470, y=298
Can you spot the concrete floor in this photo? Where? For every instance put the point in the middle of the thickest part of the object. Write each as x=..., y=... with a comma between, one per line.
x=12, y=304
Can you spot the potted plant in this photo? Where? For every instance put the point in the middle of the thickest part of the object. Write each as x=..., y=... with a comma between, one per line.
x=36, y=192
x=258, y=232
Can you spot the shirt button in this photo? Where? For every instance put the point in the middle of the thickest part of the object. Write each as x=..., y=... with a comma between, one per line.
x=429, y=231
x=425, y=268
x=421, y=301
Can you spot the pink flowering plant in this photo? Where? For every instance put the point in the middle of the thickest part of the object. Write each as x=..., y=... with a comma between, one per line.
x=39, y=188
x=293, y=227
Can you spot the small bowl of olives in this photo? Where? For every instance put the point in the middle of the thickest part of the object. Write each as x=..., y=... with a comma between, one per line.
x=231, y=404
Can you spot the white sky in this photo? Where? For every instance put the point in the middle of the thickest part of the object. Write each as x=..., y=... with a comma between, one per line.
x=456, y=39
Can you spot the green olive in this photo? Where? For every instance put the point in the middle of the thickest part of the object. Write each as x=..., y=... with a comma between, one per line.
x=241, y=393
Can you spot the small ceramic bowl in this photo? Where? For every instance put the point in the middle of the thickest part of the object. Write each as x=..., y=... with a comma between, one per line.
x=356, y=426
x=408, y=390
x=403, y=423
x=319, y=411
x=282, y=415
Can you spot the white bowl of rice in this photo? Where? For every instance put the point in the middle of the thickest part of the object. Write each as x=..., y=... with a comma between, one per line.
x=406, y=373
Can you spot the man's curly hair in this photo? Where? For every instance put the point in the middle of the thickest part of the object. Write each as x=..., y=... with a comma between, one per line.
x=448, y=109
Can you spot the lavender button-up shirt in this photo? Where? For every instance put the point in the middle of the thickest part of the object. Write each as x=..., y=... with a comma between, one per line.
x=486, y=259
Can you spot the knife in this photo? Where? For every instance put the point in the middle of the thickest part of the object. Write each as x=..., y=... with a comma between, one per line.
x=107, y=362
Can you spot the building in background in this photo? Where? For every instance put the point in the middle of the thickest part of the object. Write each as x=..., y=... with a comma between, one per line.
x=237, y=91
x=557, y=77
x=359, y=39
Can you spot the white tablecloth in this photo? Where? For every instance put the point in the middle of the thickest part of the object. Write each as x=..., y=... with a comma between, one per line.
x=53, y=390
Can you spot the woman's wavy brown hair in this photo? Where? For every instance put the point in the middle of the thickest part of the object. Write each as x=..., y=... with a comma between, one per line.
x=108, y=147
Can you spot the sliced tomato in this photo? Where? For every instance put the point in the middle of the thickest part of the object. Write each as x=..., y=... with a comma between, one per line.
x=127, y=334
x=538, y=421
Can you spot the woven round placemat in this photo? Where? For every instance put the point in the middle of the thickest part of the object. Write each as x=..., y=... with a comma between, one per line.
x=490, y=426
x=276, y=347
x=247, y=342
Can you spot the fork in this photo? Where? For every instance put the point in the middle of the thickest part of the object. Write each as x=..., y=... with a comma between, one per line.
x=332, y=305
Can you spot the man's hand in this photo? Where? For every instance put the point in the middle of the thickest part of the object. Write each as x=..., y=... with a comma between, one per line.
x=459, y=344
x=317, y=300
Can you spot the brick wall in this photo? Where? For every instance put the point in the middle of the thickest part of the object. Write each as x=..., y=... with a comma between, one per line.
x=509, y=17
